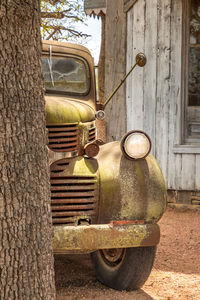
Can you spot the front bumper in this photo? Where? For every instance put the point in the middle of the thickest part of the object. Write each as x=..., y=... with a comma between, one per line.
x=119, y=234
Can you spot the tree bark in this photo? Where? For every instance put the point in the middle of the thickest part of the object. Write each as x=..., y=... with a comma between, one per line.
x=26, y=259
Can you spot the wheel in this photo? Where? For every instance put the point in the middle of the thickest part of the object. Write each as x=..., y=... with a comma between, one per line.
x=124, y=269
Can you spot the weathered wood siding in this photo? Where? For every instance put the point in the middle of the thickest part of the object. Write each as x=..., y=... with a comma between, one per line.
x=153, y=93
x=115, y=69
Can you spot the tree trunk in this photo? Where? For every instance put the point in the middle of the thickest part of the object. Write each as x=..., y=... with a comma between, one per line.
x=26, y=259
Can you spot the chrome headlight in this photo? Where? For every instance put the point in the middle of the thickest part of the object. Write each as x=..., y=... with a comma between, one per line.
x=136, y=144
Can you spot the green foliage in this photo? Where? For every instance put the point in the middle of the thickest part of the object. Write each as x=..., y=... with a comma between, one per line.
x=60, y=19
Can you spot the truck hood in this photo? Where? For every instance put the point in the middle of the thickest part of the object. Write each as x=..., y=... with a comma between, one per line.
x=65, y=110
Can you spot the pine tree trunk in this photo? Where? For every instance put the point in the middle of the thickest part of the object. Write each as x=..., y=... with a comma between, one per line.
x=26, y=260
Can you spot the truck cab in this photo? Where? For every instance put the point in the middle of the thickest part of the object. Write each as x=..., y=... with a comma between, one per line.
x=106, y=199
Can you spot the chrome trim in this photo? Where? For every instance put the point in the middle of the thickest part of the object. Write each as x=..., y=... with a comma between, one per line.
x=71, y=154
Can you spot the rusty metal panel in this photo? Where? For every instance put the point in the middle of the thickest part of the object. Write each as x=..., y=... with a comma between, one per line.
x=94, y=237
x=130, y=190
x=72, y=213
x=71, y=201
x=74, y=196
x=92, y=134
x=63, y=137
x=70, y=138
x=83, y=206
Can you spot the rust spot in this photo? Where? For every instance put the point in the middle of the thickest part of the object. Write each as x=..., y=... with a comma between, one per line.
x=71, y=196
x=92, y=134
x=124, y=222
x=92, y=149
x=102, y=236
x=63, y=137
x=152, y=237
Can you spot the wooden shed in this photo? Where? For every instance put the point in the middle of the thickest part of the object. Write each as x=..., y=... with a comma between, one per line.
x=163, y=98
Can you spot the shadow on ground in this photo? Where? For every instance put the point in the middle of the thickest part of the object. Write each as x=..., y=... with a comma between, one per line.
x=75, y=279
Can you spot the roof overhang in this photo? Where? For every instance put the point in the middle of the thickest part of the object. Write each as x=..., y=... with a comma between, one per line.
x=95, y=7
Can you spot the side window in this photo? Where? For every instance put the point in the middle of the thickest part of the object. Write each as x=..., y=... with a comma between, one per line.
x=194, y=55
x=192, y=112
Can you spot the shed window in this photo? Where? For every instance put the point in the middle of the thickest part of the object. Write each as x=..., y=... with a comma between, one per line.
x=192, y=90
x=194, y=55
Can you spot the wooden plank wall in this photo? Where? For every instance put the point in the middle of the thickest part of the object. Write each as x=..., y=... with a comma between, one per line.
x=115, y=69
x=153, y=94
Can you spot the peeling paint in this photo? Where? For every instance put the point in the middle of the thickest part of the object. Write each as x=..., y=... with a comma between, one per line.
x=130, y=190
x=94, y=237
x=62, y=110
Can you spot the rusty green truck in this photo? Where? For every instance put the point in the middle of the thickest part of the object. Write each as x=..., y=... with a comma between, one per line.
x=106, y=199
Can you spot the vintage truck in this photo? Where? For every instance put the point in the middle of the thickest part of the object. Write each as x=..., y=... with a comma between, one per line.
x=106, y=199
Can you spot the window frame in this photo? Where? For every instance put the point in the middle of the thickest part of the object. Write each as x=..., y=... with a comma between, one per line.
x=88, y=74
x=186, y=139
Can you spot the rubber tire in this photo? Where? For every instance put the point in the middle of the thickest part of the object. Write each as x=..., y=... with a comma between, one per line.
x=131, y=273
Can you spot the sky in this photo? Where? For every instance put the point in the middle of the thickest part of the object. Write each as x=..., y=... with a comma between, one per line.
x=93, y=43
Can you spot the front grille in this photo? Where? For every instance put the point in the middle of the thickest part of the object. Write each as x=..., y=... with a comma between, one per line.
x=63, y=137
x=71, y=196
x=92, y=134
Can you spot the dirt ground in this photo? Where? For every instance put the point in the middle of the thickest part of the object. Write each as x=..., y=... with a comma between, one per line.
x=175, y=275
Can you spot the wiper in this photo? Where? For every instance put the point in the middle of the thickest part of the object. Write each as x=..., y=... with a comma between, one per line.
x=50, y=65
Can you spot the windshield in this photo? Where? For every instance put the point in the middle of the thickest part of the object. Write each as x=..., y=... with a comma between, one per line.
x=65, y=74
